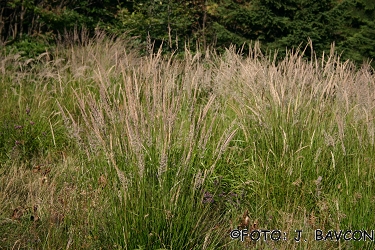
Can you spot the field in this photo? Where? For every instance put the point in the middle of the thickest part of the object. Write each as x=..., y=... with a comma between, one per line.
x=101, y=148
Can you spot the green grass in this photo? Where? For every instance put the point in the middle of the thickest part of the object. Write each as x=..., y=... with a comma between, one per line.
x=103, y=149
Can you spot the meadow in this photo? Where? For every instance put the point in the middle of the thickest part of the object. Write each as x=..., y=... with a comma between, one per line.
x=102, y=148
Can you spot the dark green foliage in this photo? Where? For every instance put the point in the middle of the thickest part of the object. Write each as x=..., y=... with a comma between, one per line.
x=29, y=47
x=359, y=30
x=292, y=23
x=170, y=22
x=276, y=24
x=48, y=19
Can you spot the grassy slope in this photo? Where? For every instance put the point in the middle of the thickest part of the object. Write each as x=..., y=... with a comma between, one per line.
x=101, y=148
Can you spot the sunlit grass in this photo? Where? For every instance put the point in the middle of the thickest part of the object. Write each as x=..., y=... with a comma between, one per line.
x=101, y=148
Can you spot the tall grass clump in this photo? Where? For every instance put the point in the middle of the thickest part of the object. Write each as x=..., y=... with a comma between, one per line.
x=103, y=148
x=305, y=145
x=143, y=122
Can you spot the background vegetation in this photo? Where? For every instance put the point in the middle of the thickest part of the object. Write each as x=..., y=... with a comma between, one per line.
x=32, y=26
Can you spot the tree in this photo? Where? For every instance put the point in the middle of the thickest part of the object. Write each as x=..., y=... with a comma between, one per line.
x=33, y=18
x=358, y=31
x=171, y=22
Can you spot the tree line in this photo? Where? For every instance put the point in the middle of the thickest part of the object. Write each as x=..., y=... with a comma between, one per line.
x=278, y=24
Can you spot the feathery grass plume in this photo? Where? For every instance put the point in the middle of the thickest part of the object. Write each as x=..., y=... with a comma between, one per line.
x=139, y=119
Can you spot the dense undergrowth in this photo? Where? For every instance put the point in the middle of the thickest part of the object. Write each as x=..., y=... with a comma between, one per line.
x=103, y=149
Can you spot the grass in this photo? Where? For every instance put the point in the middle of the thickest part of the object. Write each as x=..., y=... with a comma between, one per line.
x=105, y=149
